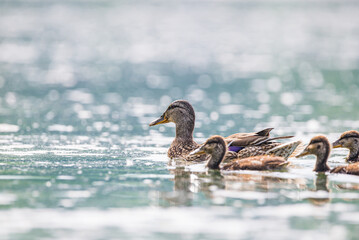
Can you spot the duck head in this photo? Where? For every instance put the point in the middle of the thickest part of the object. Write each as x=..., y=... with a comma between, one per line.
x=182, y=114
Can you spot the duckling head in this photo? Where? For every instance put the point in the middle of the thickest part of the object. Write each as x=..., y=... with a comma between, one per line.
x=182, y=114
x=349, y=140
x=216, y=147
x=320, y=147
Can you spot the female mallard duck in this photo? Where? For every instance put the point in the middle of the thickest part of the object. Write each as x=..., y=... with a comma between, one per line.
x=216, y=148
x=320, y=147
x=182, y=114
x=350, y=140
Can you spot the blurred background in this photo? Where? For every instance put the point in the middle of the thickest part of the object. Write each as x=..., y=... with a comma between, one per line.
x=80, y=80
x=94, y=66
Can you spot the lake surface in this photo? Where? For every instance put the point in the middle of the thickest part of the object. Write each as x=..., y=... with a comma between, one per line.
x=81, y=80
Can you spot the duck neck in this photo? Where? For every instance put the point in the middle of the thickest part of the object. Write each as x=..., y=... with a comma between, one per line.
x=184, y=131
x=354, y=153
x=216, y=157
x=321, y=164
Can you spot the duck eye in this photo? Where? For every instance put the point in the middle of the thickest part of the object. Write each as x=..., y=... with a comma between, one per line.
x=318, y=147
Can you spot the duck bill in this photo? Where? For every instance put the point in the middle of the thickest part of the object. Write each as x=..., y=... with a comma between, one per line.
x=336, y=144
x=198, y=151
x=304, y=153
x=160, y=120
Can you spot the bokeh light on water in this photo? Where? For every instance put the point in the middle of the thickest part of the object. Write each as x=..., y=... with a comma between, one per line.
x=81, y=80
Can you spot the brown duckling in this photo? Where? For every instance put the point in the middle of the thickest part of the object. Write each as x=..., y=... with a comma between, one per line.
x=182, y=114
x=320, y=147
x=216, y=148
x=350, y=140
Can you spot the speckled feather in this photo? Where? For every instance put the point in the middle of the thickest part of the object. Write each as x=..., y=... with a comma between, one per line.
x=252, y=151
x=274, y=149
x=249, y=151
x=181, y=149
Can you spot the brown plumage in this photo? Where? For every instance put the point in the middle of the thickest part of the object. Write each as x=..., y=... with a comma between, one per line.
x=216, y=148
x=272, y=149
x=320, y=147
x=182, y=114
x=251, y=151
x=349, y=140
x=245, y=139
x=257, y=163
x=180, y=149
x=352, y=168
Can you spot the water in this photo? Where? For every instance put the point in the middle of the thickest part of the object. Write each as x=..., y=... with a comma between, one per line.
x=81, y=80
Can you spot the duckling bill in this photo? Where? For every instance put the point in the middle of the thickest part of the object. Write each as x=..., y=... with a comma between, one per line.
x=216, y=148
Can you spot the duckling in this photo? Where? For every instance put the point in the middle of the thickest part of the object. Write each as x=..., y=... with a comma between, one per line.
x=320, y=147
x=350, y=140
x=216, y=148
x=182, y=114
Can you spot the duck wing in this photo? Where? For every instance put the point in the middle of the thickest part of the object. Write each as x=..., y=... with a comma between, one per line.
x=242, y=141
x=251, y=151
x=270, y=140
x=285, y=150
x=262, y=133
x=245, y=139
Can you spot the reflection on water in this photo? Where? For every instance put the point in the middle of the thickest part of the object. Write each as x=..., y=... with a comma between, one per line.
x=321, y=185
x=81, y=80
x=117, y=186
x=187, y=183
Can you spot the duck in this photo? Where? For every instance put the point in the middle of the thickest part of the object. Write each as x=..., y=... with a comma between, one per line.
x=349, y=140
x=321, y=147
x=182, y=114
x=216, y=148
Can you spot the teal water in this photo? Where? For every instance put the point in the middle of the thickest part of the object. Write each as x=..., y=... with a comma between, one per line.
x=81, y=80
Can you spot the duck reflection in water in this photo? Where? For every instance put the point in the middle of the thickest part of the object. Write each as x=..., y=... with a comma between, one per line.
x=254, y=182
x=189, y=183
x=321, y=186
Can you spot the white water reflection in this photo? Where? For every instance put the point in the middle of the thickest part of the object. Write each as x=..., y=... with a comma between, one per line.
x=141, y=175
x=210, y=223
